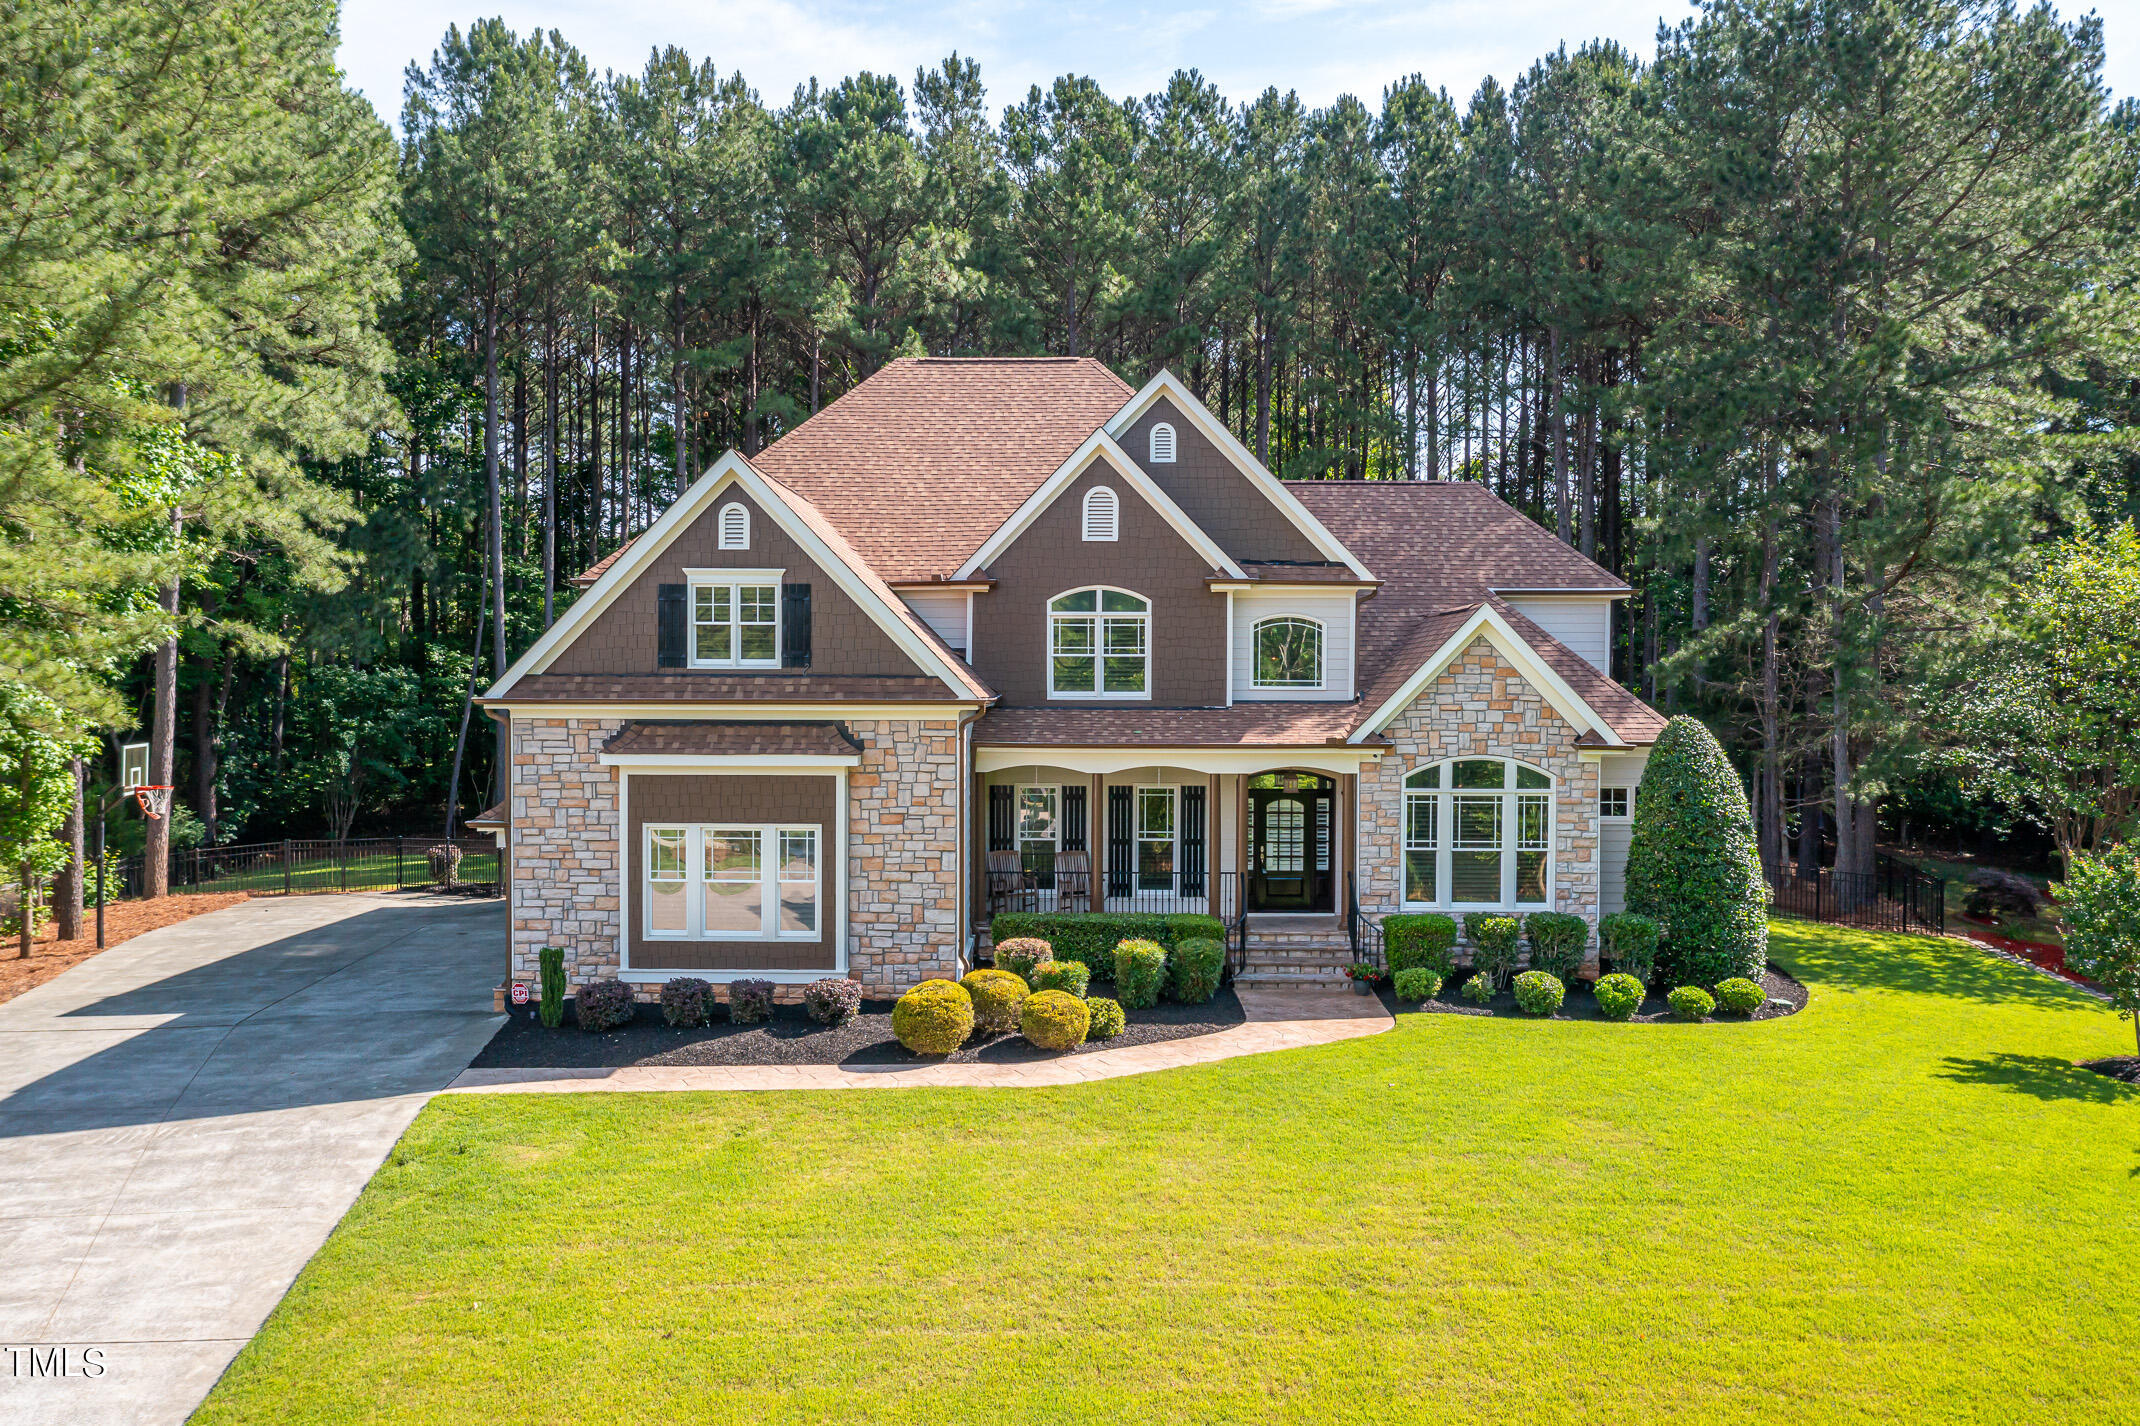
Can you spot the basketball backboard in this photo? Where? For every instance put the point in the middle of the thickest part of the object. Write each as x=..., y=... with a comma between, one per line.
x=133, y=765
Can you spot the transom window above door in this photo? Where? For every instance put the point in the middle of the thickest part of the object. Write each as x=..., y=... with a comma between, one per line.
x=1478, y=833
x=736, y=623
x=1099, y=644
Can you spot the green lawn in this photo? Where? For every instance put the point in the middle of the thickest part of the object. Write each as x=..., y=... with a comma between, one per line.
x=1901, y=1205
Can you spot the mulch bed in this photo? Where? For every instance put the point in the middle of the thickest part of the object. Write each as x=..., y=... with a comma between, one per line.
x=2036, y=953
x=2124, y=1067
x=123, y=920
x=1785, y=997
x=791, y=1037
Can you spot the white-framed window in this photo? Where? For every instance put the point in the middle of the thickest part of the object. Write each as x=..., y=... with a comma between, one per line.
x=1288, y=653
x=1103, y=515
x=1156, y=807
x=1613, y=803
x=1478, y=832
x=728, y=882
x=1162, y=444
x=1039, y=820
x=735, y=526
x=735, y=625
x=1099, y=644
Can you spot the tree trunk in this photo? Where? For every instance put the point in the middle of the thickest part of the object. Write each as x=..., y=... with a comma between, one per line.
x=1263, y=389
x=594, y=448
x=26, y=874
x=1560, y=443
x=497, y=530
x=204, y=766
x=549, y=473
x=163, y=739
x=67, y=886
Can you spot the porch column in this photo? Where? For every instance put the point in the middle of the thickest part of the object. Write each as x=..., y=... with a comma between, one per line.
x=1212, y=880
x=1096, y=841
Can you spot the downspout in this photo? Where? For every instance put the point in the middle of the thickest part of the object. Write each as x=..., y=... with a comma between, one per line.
x=965, y=857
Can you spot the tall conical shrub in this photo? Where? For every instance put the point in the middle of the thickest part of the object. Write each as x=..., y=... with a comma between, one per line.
x=1693, y=865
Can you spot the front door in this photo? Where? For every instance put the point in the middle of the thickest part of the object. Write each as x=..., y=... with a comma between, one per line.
x=1289, y=848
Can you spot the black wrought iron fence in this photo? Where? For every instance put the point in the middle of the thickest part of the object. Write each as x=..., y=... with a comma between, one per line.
x=1894, y=896
x=307, y=867
x=1042, y=880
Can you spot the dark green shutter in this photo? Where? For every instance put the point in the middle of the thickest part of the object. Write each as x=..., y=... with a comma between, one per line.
x=671, y=626
x=1074, y=817
x=1121, y=868
x=1192, y=841
x=794, y=626
x=1002, y=819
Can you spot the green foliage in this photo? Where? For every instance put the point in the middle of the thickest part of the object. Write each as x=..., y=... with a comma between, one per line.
x=2100, y=903
x=1072, y=977
x=1107, y=1020
x=1739, y=996
x=686, y=1000
x=1692, y=865
x=934, y=1018
x=1091, y=937
x=832, y=1000
x=1478, y=988
x=1140, y=969
x=1619, y=995
x=1690, y=1002
x=996, y=994
x=750, y=1001
x=1428, y=942
x=603, y=1005
x=1416, y=983
x=1538, y=993
x=1630, y=941
x=552, y=961
x=1054, y=1020
x=1494, y=942
x=36, y=792
x=1021, y=954
x=1558, y=940
x=1193, y=971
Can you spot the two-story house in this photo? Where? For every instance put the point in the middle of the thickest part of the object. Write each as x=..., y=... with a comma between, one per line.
x=1007, y=633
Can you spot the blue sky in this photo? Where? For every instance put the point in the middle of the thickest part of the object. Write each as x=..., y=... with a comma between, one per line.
x=1322, y=48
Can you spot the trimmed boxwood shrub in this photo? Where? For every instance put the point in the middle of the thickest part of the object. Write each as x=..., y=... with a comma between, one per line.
x=1478, y=989
x=552, y=1009
x=1108, y=1020
x=1558, y=941
x=1690, y=1002
x=1692, y=863
x=997, y=994
x=1619, y=996
x=1417, y=983
x=1055, y=1020
x=603, y=1004
x=1428, y=942
x=1072, y=977
x=1538, y=993
x=1739, y=996
x=686, y=1000
x=1020, y=954
x=750, y=1001
x=1140, y=967
x=832, y=1001
x=1493, y=943
x=1091, y=937
x=1631, y=942
x=1194, y=969
x=934, y=1018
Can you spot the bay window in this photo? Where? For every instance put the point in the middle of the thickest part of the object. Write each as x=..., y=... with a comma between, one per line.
x=1478, y=832
x=716, y=882
x=1099, y=644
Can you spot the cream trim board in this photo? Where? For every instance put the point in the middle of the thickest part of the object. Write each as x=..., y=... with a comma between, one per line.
x=730, y=470
x=1205, y=760
x=739, y=764
x=730, y=711
x=1168, y=385
x=1099, y=446
x=1510, y=646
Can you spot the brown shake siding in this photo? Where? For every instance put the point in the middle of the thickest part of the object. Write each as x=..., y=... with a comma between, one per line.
x=624, y=638
x=1214, y=493
x=1188, y=638
x=803, y=799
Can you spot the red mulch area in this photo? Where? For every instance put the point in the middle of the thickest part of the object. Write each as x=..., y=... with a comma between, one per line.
x=123, y=920
x=2051, y=958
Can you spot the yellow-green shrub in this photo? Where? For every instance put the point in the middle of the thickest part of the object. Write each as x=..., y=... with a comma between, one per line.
x=934, y=1018
x=1055, y=1020
x=997, y=994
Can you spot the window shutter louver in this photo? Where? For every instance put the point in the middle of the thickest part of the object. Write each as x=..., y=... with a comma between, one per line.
x=1102, y=514
x=1119, y=865
x=1192, y=841
x=1073, y=818
x=1002, y=818
x=671, y=626
x=735, y=528
x=794, y=626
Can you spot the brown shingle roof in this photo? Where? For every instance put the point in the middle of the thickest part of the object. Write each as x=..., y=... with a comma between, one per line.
x=734, y=739
x=919, y=464
x=726, y=688
x=1243, y=725
x=490, y=818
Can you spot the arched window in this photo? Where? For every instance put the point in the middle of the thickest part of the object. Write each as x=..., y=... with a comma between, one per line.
x=1288, y=653
x=1102, y=514
x=735, y=527
x=1162, y=444
x=1478, y=832
x=1099, y=644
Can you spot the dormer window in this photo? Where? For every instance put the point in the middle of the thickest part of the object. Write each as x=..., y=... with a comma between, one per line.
x=1099, y=644
x=1162, y=444
x=735, y=527
x=1289, y=654
x=1103, y=514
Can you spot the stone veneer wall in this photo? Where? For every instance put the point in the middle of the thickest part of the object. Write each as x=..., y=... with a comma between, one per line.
x=1481, y=707
x=902, y=851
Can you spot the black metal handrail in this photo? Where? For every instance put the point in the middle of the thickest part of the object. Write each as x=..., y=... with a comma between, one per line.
x=1894, y=896
x=1362, y=931
x=1043, y=880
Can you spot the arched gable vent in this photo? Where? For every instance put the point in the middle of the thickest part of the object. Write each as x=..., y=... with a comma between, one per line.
x=1162, y=444
x=735, y=527
x=1102, y=514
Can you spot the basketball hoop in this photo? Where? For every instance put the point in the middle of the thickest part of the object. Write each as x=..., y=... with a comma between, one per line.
x=155, y=800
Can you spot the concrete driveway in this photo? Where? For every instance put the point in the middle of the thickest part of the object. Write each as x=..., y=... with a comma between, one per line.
x=184, y=1118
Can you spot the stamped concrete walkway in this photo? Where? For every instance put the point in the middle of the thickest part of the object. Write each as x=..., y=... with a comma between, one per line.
x=184, y=1119
x=1277, y=1020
